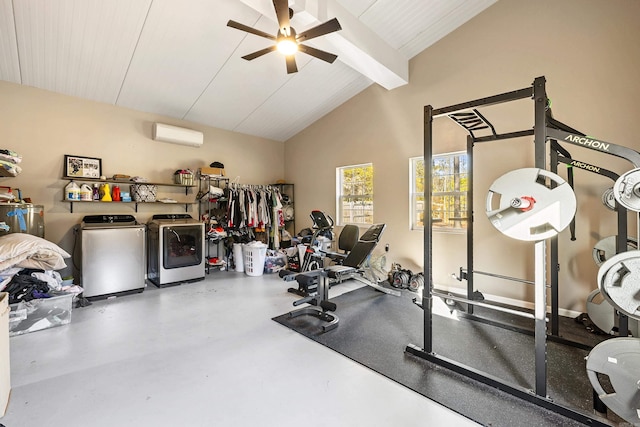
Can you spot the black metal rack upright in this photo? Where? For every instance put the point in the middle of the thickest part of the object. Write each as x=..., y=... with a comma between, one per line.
x=545, y=129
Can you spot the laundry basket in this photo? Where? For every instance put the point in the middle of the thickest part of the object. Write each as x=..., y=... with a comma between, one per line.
x=254, y=254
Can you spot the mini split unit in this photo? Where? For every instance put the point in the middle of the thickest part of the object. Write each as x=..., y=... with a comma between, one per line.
x=177, y=135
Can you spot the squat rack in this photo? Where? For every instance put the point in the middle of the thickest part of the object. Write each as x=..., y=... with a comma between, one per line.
x=545, y=129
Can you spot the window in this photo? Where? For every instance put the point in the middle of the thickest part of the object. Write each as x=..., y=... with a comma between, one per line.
x=450, y=185
x=354, y=193
x=416, y=180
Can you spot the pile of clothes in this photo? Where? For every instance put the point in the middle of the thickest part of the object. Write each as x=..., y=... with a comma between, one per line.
x=9, y=161
x=28, y=267
x=26, y=284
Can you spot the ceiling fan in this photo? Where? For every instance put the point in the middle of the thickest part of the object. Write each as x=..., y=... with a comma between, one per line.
x=287, y=41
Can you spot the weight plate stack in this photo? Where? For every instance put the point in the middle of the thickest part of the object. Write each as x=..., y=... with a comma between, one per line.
x=401, y=279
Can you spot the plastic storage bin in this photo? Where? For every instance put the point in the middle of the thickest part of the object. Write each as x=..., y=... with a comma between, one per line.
x=41, y=313
x=275, y=263
x=254, y=255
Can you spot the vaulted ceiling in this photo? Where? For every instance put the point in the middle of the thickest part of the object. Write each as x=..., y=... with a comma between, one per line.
x=179, y=58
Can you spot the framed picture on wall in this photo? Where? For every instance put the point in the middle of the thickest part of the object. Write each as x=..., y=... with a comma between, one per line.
x=82, y=167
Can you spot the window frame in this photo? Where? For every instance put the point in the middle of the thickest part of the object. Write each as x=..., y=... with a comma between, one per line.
x=340, y=195
x=413, y=194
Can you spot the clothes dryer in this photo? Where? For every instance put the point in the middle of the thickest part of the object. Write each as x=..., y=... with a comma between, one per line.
x=175, y=250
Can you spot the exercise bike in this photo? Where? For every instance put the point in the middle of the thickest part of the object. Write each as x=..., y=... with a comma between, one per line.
x=313, y=257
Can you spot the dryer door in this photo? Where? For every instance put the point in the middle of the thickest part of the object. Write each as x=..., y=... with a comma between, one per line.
x=182, y=246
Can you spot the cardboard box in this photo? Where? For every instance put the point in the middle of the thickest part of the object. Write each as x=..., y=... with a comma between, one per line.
x=39, y=314
x=212, y=171
x=5, y=367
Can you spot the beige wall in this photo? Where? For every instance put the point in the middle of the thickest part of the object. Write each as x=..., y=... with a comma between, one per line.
x=44, y=126
x=588, y=52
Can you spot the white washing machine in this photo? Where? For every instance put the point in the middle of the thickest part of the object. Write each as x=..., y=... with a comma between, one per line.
x=175, y=249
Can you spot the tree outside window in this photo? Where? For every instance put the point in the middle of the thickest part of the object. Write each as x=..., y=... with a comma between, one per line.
x=355, y=194
x=450, y=184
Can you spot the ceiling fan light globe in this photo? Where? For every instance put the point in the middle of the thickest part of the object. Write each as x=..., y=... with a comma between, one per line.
x=287, y=47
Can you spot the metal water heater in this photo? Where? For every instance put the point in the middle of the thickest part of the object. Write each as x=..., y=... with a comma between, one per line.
x=22, y=218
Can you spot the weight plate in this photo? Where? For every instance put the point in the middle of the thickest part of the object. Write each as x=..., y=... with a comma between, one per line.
x=416, y=282
x=619, y=359
x=626, y=190
x=608, y=199
x=522, y=206
x=601, y=313
x=606, y=248
x=604, y=316
x=619, y=282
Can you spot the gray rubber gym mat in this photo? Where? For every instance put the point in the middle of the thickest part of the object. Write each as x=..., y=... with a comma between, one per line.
x=375, y=328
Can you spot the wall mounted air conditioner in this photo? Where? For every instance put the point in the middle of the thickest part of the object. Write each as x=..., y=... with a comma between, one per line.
x=177, y=135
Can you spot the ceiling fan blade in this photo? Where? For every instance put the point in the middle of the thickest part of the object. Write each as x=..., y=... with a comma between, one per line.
x=260, y=52
x=282, y=12
x=242, y=27
x=320, y=54
x=291, y=64
x=320, y=30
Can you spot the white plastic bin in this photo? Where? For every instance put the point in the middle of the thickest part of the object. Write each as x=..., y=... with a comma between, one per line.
x=302, y=250
x=40, y=313
x=255, y=254
x=238, y=257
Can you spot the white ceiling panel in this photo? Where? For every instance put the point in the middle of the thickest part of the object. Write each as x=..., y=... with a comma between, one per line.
x=358, y=7
x=78, y=47
x=449, y=19
x=385, y=15
x=310, y=94
x=181, y=50
x=9, y=65
x=179, y=59
x=243, y=85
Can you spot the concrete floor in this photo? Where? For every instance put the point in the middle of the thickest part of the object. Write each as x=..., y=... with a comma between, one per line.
x=201, y=354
